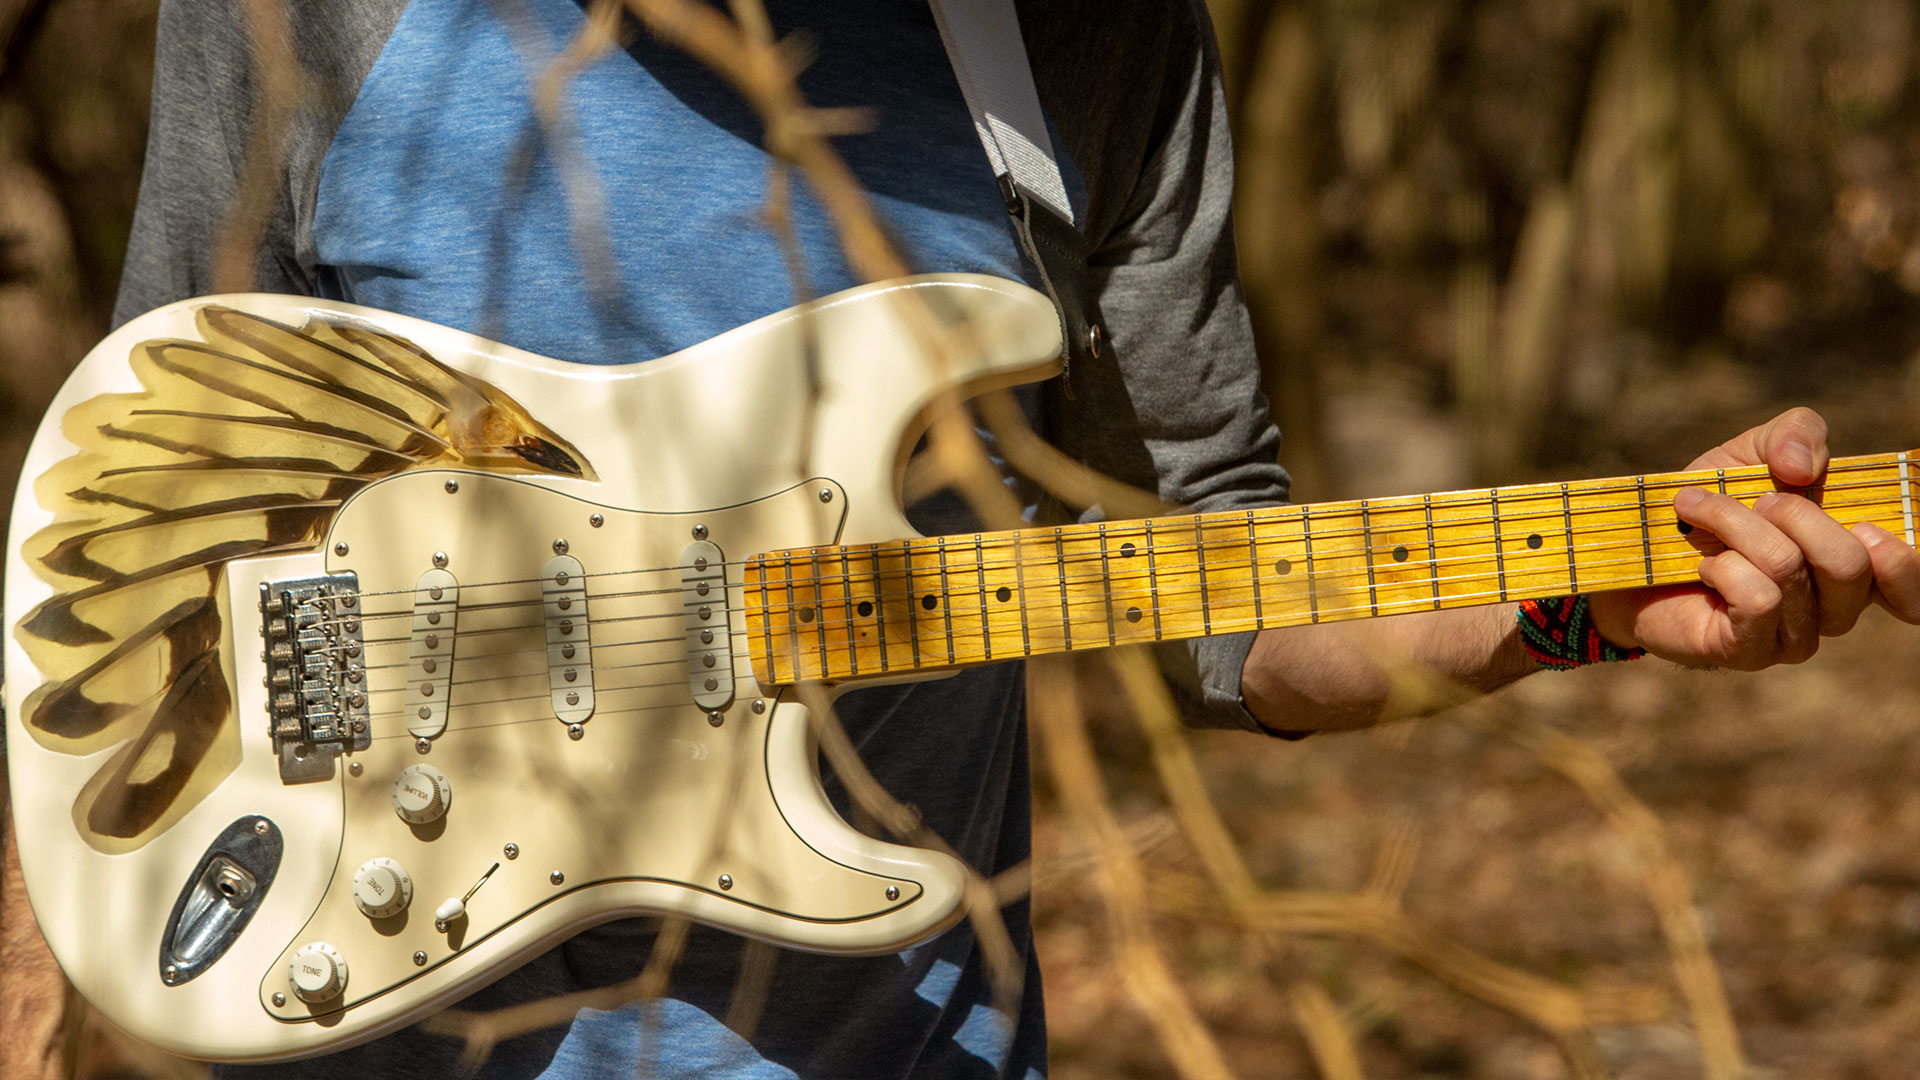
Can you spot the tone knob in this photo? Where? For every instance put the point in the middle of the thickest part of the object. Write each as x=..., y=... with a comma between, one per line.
x=421, y=794
x=318, y=972
x=382, y=889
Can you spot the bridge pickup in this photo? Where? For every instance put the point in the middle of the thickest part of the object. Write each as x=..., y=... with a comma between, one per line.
x=436, y=610
x=316, y=690
x=563, y=588
x=703, y=590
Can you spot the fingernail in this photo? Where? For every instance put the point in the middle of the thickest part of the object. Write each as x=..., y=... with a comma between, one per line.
x=1766, y=500
x=1870, y=534
x=1800, y=459
x=1688, y=498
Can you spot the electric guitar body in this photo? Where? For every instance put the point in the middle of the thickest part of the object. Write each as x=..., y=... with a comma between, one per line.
x=320, y=617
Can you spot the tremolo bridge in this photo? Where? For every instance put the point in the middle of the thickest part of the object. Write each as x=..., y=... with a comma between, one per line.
x=316, y=692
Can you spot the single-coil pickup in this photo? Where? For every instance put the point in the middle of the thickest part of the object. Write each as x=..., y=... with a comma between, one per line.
x=563, y=587
x=703, y=589
x=436, y=606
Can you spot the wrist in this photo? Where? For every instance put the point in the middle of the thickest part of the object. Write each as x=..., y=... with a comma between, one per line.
x=1561, y=633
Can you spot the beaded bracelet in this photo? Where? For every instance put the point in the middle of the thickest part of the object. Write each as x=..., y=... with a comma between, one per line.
x=1560, y=634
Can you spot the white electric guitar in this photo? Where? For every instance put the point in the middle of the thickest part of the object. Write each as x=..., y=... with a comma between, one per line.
x=354, y=659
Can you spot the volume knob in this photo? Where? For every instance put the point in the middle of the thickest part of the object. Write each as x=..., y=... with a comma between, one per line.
x=318, y=972
x=421, y=794
x=382, y=889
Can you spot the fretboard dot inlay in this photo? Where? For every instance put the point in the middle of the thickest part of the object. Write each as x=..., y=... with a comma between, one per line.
x=1534, y=541
x=1400, y=553
x=865, y=609
x=806, y=614
x=1126, y=550
x=1283, y=567
x=1133, y=614
x=929, y=601
x=1003, y=594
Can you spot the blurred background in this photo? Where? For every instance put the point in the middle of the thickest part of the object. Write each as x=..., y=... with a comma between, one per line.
x=1484, y=241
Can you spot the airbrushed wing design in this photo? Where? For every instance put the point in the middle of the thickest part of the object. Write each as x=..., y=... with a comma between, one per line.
x=241, y=444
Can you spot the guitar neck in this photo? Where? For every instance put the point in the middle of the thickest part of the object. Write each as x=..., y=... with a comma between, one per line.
x=842, y=613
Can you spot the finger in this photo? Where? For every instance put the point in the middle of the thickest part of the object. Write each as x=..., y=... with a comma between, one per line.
x=1763, y=547
x=1896, y=571
x=1750, y=639
x=1841, y=568
x=1792, y=445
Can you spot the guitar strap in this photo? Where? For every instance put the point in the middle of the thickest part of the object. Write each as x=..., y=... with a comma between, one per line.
x=989, y=58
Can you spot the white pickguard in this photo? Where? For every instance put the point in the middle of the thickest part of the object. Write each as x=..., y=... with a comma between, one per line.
x=647, y=809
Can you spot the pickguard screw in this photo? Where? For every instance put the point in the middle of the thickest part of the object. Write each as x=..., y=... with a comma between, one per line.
x=560, y=546
x=279, y=1000
x=556, y=877
x=420, y=958
x=422, y=745
x=893, y=892
x=440, y=559
x=575, y=732
x=511, y=851
x=261, y=827
x=826, y=494
x=596, y=521
x=340, y=548
x=716, y=718
x=699, y=532
x=171, y=973
x=726, y=881
x=355, y=769
x=452, y=486
x=759, y=706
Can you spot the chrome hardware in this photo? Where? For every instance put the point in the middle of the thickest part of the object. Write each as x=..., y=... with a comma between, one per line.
x=262, y=827
x=716, y=718
x=421, y=746
x=440, y=559
x=575, y=732
x=560, y=546
x=556, y=877
x=420, y=958
x=340, y=548
x=563, y=585
x=279, y=1000
x=893, y=892
x=511, y=851
x=759, y=706
x=699, y=532
x=436, y=611
x=597, y=520
x=726, y=881
x=310, y=659
x=452, y=486
x=219, y=899
x=703, y=583
x=355, y=769
x=826, y=495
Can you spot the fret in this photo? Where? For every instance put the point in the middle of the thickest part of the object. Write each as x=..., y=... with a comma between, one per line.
x=793, y=636
x=879, y=604
x=1433, y=553
x=1646, y=529
x=1721, y=474
x=1020, y=583
x=1313, y=580
x=766, y=617
x=980, y=570
x=1060, y=564
x=846, y=603
x=1566, y=517
x=1106, y=584
x=1366, y=542
x=946, y=596
x=1906, y=499
x=818, y=613
x=1200, y=567
x=1253, y=570
x=1499, y=547
x=1153, y=582
x=913, y=604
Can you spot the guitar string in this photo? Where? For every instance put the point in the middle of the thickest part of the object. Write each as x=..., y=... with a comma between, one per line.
x=1331, y=577
x=1393, y=504
x=1122, y=533
x=971, y=637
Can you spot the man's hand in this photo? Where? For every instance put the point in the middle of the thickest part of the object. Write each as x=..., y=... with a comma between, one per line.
x=1788, y=575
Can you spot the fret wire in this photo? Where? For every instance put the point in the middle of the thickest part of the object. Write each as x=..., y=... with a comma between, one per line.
x=1200, y=565
x=1906, y=499
x=1566, y=514
x=1433, y=551
x=913, y=605
x=1306, y=556
x=1153, y=582
x=980, y=564
x=766, y=624
x=946, y=596
x=1646, y=530
x=1020, y=580
x=1366, y=540
x=793, y=639
x=1499, y=548
x=819, y=614
x=1060, y=566
x=846, y=601
x=1106, y=583
x=1253, y=566
x=879, y=604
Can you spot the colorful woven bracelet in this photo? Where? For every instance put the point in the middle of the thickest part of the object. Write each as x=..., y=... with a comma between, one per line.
x=1560, y=634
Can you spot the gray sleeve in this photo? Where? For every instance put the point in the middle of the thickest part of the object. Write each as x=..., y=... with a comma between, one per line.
x=1177, y=409
x=207, y=129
